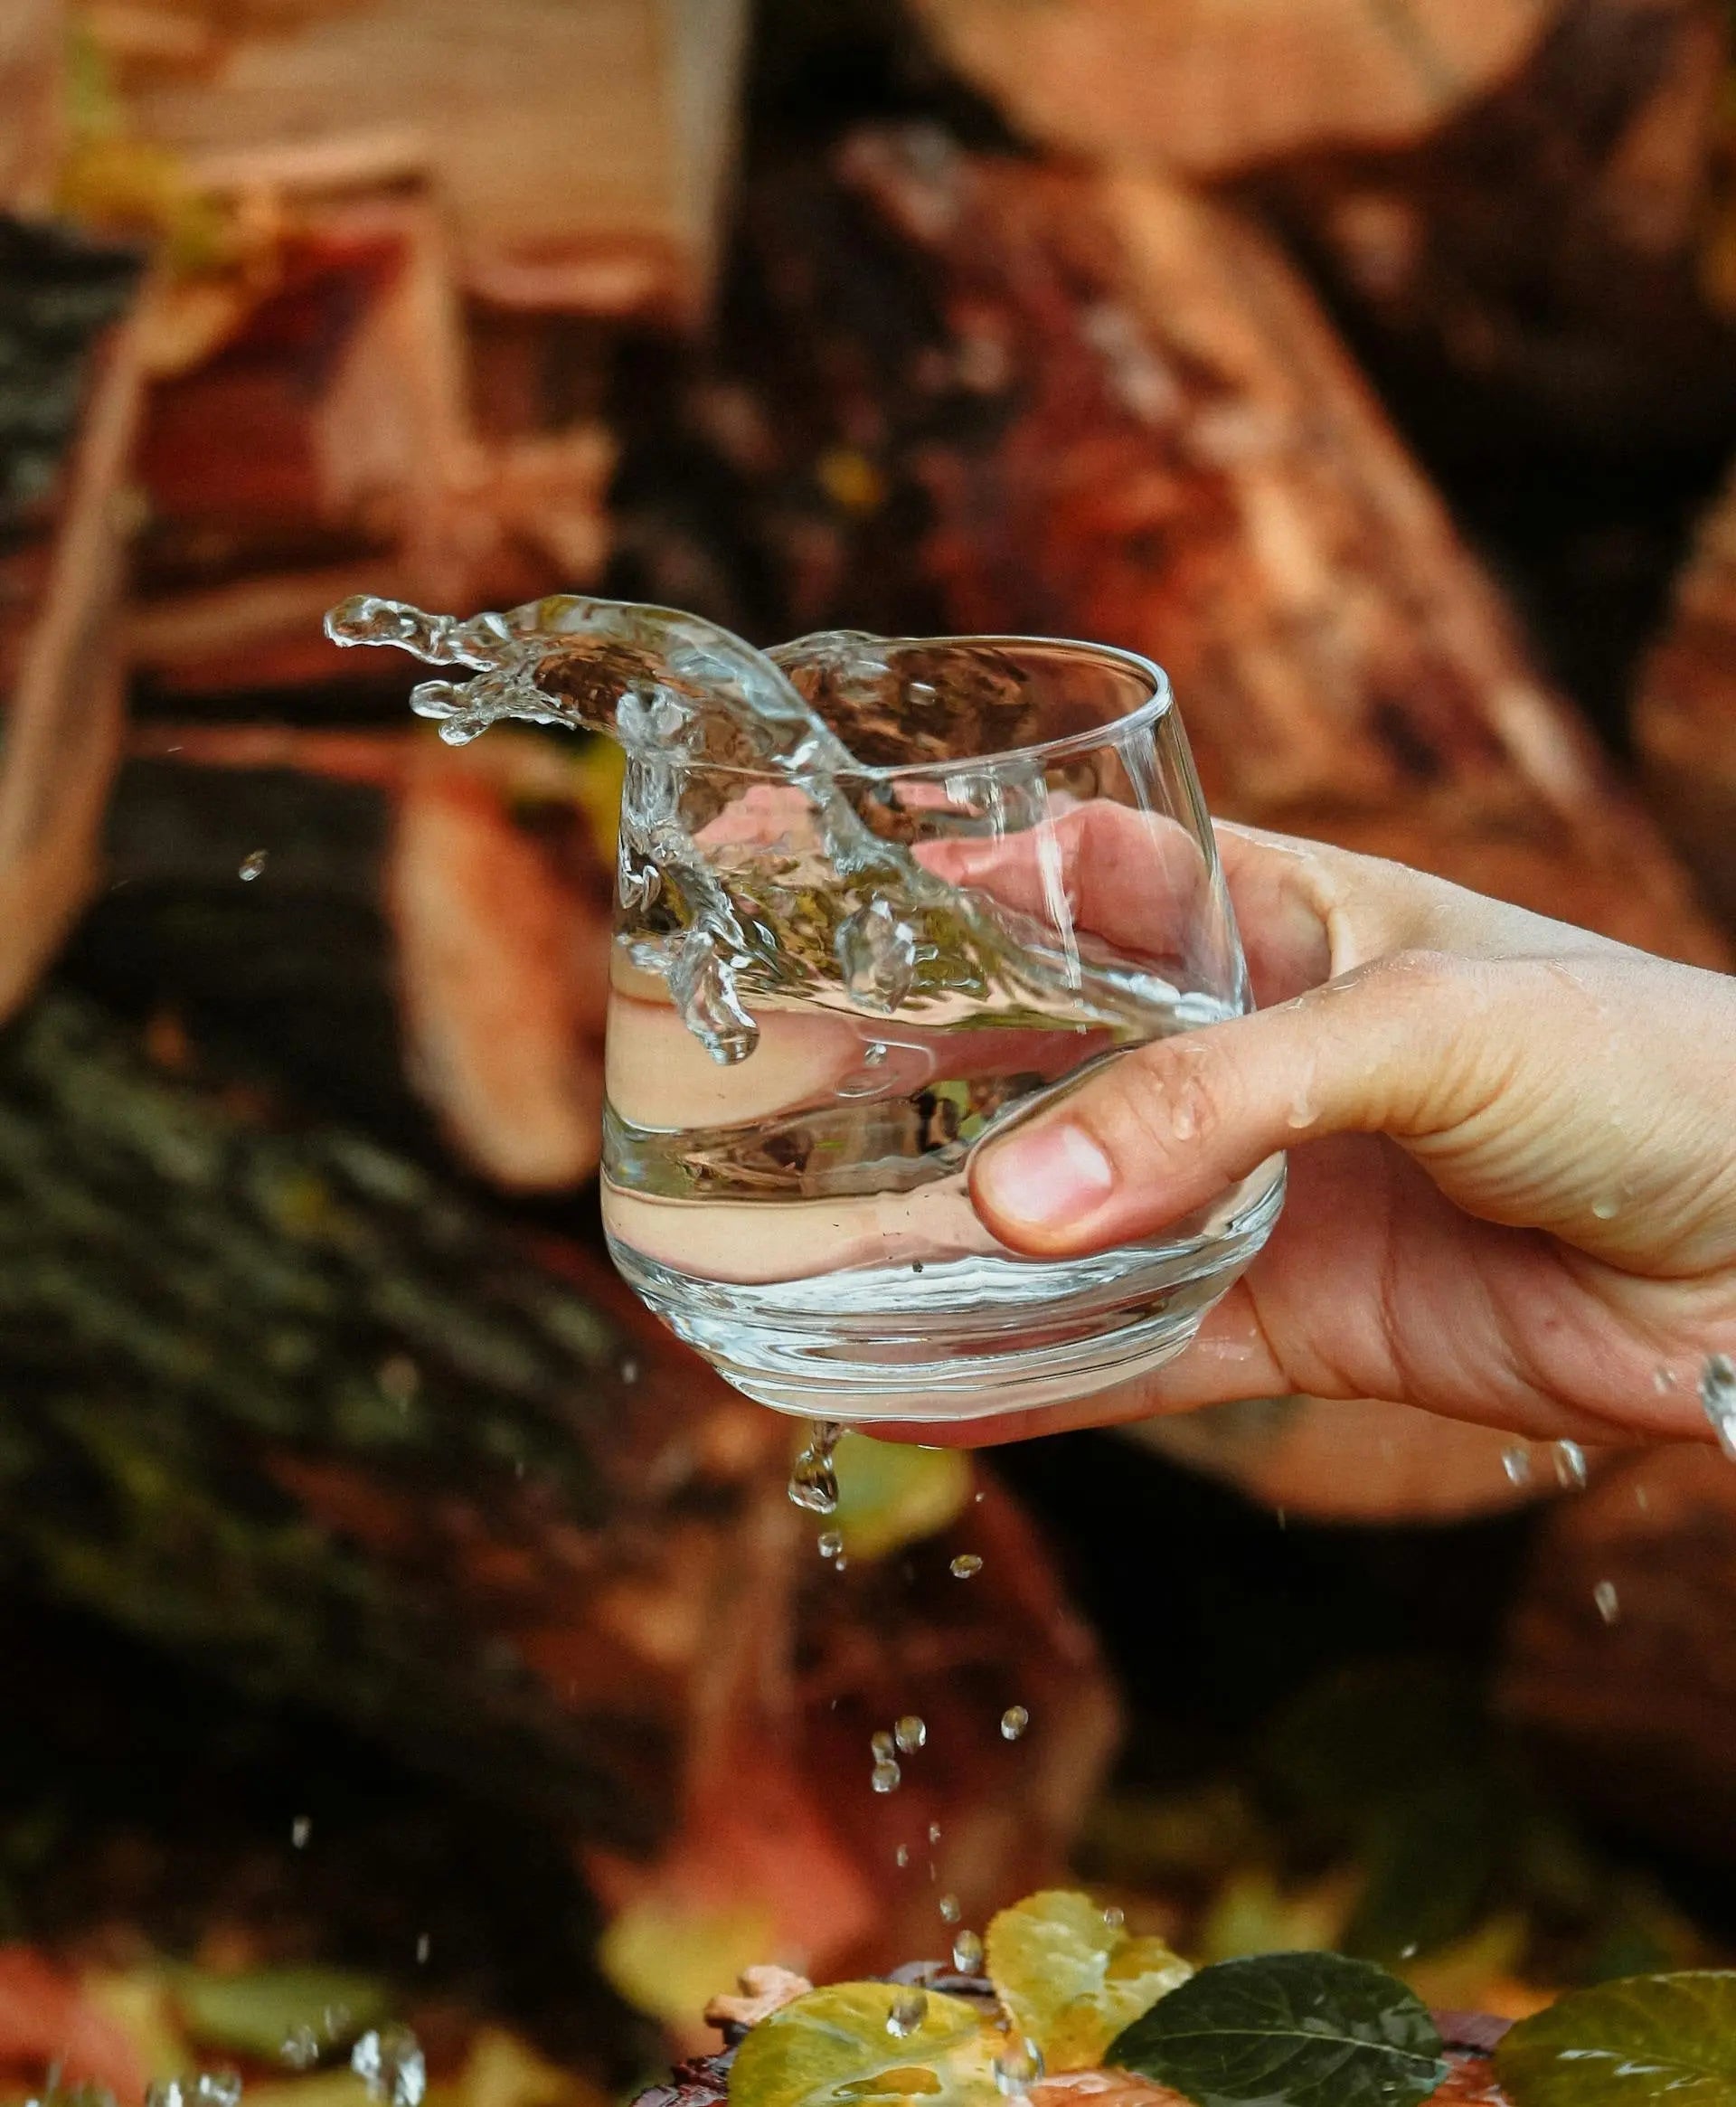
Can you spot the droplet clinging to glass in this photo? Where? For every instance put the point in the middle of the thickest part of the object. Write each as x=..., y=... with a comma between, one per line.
x=1718, y=1400
x=813, y=1480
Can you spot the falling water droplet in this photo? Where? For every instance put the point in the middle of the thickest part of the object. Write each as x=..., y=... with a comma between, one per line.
x=886, y=1777
x=1018, y=2067
x=300, y=1830
x=628, y=1369
x=911, y=1732
x=902, y=1857
x=965, y=1566
x=389, y=2064
x=1607, y=1599
x=814, y=1481
x=950, y=1909
x=423, y=1946
x=1718, y=1399
x=934, y=1832
x=1570, y=1464
x=967, y=1953
x=301, y=2048
x=1516, y=1462
x=1013, y=1722
x=909, y=2009
x=251, y=866
x=830, y=1542
x=1115, y=1918
x=883, y=1746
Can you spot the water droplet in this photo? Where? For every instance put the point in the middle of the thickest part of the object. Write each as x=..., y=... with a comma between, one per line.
x=951, y=1910
x=1013, y=1722
x=628, y=1369
x=1301, y=1112
x=883, y=1746
x=251, y=865
x=1570, y=1464
x=1604, y=1209
x=934, y=1832
x=876, y=954
x=335, y=2020
x=886, y=1777
x=1018, y=2067
x=813, y=1480
x=300, y=1830
x=902, y=1857
x=831, y=1543
x=1607, y=1599
x=967, y=1953
x=1115, y=1918
x=1643, y=1498
x=1516, y=1462
x=965, y=1566
x=389, y=2064
x=301, y=2048
x=1410, y=1952
x=911, y=1732
x=874, y=1054
x=423, y=1946
x=217, y=2089
x=1664, y=1379
x=909, y=2009
x=1718, y=1400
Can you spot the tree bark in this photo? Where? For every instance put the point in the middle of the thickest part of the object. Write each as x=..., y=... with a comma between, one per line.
x=1685, y=719
x=280, y=1400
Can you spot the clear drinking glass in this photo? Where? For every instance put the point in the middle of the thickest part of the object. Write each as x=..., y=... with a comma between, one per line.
x=1040, y=892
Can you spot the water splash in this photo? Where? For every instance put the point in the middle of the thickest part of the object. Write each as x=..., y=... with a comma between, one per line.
x=723, y=921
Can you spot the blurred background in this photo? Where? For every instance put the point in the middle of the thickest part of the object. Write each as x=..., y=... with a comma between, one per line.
x=393, y=1623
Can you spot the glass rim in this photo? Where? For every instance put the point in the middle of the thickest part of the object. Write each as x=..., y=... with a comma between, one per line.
x=1157, y=706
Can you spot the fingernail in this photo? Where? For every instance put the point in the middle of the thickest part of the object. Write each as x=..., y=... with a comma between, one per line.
x=1052, y=1174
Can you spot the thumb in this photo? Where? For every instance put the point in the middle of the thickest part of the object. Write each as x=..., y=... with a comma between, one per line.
x=1163, y=1129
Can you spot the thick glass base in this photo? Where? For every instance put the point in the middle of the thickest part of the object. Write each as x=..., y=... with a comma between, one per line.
x=966, y=1337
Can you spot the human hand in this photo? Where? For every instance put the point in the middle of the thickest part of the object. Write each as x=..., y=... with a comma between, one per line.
x=1513, y=1155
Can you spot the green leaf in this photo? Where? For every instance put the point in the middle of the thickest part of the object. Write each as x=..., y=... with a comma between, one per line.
x=1628, y=2043
x=834, y=2049
x=1069, y=1979
x=1306, y=2030
x=255, y=2014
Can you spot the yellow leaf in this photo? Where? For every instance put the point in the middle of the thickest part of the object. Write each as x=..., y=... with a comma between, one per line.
x=1070, y=1979
x=670, y=1963
x=835, y=2048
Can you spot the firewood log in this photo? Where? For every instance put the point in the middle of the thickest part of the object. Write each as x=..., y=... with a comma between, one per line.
x=70, y=338
x=1513, y=194
x=1684, y=717
x=357, y=912
x=1212, y=88
x=280, y=1400
x=1053, y=401
x=1618, y=1656
x=582, y=151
